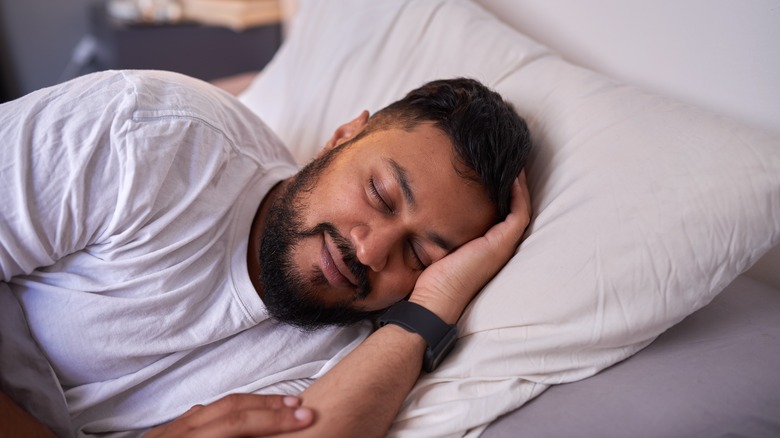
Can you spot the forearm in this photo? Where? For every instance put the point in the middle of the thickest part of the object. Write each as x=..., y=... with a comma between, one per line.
x=15, y=421
x=363, y=393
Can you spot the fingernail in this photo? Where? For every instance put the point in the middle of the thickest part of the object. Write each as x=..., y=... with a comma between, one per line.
x=291, y=401
x=303, y=414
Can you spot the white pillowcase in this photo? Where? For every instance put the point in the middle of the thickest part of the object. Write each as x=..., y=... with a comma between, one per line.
x=645, y=208
x=344, y=56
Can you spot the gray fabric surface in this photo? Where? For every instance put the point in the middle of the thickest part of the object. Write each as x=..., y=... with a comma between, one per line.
x=717, y=373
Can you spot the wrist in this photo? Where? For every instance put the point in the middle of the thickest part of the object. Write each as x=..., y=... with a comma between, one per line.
x=439, y=336
x=448, y=312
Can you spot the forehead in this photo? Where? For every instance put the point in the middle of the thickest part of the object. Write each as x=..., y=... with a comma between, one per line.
x=443, y=196
x=423, y=146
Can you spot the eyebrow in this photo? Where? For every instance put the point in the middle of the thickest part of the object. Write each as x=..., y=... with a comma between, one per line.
x=441, y=242
x=402, y=178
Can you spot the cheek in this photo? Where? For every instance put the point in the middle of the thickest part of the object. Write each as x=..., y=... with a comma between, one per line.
x=390, y=288
x=336, y=202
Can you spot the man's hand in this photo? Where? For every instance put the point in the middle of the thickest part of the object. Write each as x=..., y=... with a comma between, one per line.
x=344, y=407
x=361, y=395
x=447, y=286
x=239, y=415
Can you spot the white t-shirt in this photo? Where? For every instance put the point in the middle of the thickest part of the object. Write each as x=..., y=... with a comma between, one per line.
x=127, y=199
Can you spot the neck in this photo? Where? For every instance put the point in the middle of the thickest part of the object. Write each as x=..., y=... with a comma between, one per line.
x=258, y=225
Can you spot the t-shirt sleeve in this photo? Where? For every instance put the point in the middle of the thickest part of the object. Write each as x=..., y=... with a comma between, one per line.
x=113, y=157
x=59, y=162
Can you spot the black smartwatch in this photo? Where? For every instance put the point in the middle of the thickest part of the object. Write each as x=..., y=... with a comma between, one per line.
x=415, y=318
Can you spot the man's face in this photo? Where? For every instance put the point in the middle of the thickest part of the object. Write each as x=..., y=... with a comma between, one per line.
x=357, y=230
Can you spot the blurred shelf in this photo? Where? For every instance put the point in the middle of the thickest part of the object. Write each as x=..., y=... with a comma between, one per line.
x=203, y=51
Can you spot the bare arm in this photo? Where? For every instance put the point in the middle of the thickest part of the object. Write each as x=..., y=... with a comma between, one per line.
x=15, y=421
x=363, y=393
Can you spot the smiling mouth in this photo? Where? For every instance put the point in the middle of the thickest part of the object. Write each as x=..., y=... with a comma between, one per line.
x=333, y=267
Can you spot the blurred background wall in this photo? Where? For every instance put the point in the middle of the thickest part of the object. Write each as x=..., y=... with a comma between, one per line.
x=37, y=38
x=44, y=42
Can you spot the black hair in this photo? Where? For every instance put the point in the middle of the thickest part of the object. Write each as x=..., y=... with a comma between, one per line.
x=490, y=139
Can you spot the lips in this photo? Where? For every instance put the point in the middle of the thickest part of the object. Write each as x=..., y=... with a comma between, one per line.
x=333, y=267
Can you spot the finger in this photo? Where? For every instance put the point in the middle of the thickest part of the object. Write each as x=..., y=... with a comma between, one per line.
x=521, y=197
x=192, y=410
x=269, y=400
x=520, y=203
x=197, y=416
x=256, y=422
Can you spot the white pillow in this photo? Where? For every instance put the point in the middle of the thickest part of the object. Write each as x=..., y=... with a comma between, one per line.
x=645, y=208
x=344, y=56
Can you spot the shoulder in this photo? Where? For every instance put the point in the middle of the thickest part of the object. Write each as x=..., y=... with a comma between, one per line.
x=161, y=96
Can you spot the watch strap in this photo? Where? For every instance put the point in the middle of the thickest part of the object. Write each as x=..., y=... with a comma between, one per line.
x=415, y=318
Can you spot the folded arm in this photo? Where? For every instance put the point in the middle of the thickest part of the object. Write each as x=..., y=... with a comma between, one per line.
x=363, y=393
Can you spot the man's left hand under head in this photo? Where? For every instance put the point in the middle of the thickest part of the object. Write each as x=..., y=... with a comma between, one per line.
x=447, y=286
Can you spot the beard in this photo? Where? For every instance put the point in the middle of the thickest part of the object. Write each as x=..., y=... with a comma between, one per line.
x=287, y=294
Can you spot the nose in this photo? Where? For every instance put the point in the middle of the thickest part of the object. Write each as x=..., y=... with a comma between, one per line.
x=372, y=245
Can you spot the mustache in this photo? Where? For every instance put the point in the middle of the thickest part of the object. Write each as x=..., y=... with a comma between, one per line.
x=348, y=255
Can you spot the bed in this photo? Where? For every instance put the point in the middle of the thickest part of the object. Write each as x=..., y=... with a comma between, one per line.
x=627, y=310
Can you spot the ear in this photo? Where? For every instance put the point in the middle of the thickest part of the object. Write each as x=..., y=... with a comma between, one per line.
x=346, y=132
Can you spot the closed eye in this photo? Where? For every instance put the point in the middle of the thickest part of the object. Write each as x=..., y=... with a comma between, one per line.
x=415, y=257
x=379, y=199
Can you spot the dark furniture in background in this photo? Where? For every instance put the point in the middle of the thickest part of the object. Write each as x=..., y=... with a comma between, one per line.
x=7, y=85
x=205, y=52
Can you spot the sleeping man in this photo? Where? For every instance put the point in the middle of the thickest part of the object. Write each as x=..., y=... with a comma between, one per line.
x=160, y=250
